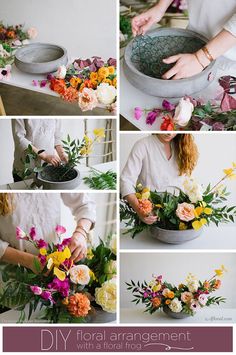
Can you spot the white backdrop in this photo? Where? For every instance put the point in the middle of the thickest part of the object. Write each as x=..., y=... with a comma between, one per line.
x=85, y=27
x=74, y=127
x=217, y=152
x=174, y=269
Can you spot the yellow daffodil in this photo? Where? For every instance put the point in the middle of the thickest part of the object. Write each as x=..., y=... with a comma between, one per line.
x=61, y=275
x=199, y=224
x=182, y=226
x=220, y=272
x=43, y=251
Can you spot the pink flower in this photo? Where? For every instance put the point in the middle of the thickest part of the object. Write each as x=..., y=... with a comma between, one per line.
x=32, y=33
x=20, y=234
x=32, y=233
x=42, y=259
x=36, y=290
x=138, y=113
x=168, y=106
x=35, y=82
x=194, y=305
x=185, y=212
x=61, y=286
x=17, y=43
x=202, y=299
x=5, y=73
x=186, y=297
x=43, y=83
x=151, y=117
x=41, y=244
x=87, y=99
x=60, y=229
x=46, y=295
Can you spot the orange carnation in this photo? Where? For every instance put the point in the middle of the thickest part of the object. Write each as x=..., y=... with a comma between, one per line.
x=145, y=206
x=79, y=305
x=156, y=302
x=70, y=94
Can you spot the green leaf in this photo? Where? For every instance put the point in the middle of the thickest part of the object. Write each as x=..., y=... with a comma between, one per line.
x=37, y=264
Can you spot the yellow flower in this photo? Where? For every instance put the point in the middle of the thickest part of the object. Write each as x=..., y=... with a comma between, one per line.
x=92, y=276
x=114, y=82
x=138, y=195
x=208, y=210
x=90, y=254
x=94, y=76
x=182, y=226
x=199, y=224
x=198, y=211
x=99, y=132
x=156, y=288
x=43, y=251
x=234, y=165
x=220, y=272
x=61, y=275
x=103, y=72
x=158, y=205
x=111, y=70
x=58, y=257
x=230, y=173
x=107, y=81
x=105, y=296
x=74, y=82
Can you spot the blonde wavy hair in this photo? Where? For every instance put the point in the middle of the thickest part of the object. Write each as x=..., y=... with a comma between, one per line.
x=6, y=204
x=186, y=153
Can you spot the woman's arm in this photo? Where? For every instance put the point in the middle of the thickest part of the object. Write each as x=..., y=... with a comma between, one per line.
x=142, y=23
x=188, y=65
x=15, y=257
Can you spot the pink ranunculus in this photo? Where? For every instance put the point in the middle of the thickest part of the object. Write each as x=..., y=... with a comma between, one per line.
x=41, y=243
x=20, y=234
x=36, y=290
x=60, y=229
x=138, y=113
x=32, y=32
x=87, y=99
x=32, y=233
x=185, y=212
x=186, y=297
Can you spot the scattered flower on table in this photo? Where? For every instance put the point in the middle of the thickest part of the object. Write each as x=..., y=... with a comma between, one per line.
x=66, y=291
x=191, y=207
x=188, y=297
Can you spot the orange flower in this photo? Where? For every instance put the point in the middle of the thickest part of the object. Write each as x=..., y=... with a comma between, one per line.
x=88, y=84
x=79, y=305
x=82, y=86
x=170, y=295
x=70, y=94
x=206, y=285
x=94, y=83
x=93, y=76
x=217, y=284
x=156, y=302
x=108, y=81
x=167, y=301
x=114, y=82
x=111, y=70
x=58, y=85
x=74, y=82
x=145, y=206
x=11, y=34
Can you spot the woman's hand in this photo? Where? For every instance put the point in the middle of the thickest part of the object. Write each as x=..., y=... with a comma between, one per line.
x=50, y=159
x=147, y=219
x=186, y=65
x=78, y=246
x=142, y=23
x=64, y=157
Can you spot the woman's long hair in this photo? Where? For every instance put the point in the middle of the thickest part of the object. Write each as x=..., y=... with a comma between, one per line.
x=186, y=153
x=6, y=204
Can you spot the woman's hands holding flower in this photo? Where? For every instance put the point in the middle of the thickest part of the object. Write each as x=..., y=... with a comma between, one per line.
x=147, y=219
x=78, y=246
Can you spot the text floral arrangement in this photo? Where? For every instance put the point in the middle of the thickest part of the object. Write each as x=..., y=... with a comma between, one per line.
x=186, y=298
x=91, y=83
x=192, y=208
x=194, y=114
x=11, y=38
x=67, y=292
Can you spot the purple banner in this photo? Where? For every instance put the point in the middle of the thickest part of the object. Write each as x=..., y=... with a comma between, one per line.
x=117, y=339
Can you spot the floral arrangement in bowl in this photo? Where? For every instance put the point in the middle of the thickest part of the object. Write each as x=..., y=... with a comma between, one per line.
x=11, y=38
x=177, y=301
x=190, y=209
x=91, y=83
x=67, y=292
x=192, y=114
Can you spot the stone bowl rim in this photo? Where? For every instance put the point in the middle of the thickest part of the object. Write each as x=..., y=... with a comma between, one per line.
x=177, y=230
x=39, y=178
x=40, y=44
x=132, y=67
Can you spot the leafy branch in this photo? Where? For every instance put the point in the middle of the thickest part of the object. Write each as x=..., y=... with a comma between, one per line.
x=101, y=181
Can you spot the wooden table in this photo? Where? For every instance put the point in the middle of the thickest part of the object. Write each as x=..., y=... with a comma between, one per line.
x=84, y=170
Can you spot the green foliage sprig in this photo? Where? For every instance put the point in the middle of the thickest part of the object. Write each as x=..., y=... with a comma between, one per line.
x=101, y=181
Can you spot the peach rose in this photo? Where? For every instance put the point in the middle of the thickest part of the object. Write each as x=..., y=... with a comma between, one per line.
x=185, y=212
x=87, y=99
x=186, y=297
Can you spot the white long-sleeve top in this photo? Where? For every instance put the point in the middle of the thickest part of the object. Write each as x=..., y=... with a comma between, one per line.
x=41, y=210
x=209, y=17
x=148, y=164
x=43, y=134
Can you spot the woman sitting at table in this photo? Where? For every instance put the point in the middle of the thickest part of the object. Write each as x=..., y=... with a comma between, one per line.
x=43, y=135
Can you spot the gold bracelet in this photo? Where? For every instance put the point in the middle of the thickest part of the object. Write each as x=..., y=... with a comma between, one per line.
x=207, y=54
x=199, y=60
x=83, y=231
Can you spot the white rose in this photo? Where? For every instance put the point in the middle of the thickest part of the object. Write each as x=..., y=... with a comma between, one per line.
x=61, y=72
x=106, y=93
x=193, y=190
x=183, y=112
x=105, y=296
x=193, y=285
x=80, y=274
x=175, y=305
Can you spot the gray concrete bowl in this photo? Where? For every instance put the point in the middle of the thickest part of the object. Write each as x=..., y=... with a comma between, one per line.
x=40, y=58
x=174, y=236
x=171, y=314
x=58, y=185
x=167, y=88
